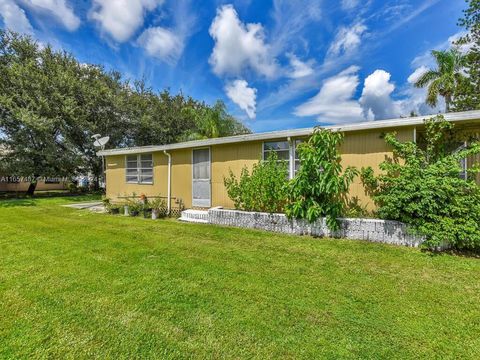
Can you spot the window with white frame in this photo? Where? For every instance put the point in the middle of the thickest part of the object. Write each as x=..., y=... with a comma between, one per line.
x=297, y=158
x=281, y=148
x=285, y=151
x=139, y=169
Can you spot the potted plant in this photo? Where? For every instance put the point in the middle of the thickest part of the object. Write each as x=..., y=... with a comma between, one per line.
x=114, y=209
x=158, y=207
x=134, y=207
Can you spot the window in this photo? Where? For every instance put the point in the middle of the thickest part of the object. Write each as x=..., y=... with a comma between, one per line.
x=463, y=163
x=297, y=159
x=285, y=152
x=281, y=148
x=139, y=169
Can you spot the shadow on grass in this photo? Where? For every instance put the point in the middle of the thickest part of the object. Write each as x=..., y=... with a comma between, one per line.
x=454, y=252
x=17, y=203
x=50, y=200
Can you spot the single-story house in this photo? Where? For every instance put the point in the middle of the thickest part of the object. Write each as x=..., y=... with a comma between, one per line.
x=193, y=172
x=17, y=184
x=12, y=183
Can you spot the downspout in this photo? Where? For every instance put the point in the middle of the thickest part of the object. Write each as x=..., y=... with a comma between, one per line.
x=291, y=158
x=169, y=181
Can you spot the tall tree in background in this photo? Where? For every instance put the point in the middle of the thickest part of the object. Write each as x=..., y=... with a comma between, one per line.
x=51, y=105
x=445, y=79
x=467, y=96
x=212, y=122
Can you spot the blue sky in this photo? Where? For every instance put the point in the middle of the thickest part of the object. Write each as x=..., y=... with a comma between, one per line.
x=276, y=64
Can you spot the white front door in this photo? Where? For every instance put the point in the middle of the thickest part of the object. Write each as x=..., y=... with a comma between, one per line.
x=201, y=189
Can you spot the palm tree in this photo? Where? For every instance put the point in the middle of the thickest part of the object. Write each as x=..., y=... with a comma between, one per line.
x=444, y=80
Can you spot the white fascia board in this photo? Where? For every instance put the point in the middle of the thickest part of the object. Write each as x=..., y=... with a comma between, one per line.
x=283, y=134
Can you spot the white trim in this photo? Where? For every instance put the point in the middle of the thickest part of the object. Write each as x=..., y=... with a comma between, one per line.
x=291, y=157
x=369, y=125
x=169, y=182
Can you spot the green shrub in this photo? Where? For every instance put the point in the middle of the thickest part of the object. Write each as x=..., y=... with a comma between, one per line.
x=159, y=205
x=263, y=189
x=134, y=207
x=421, y=186
x=320, y=186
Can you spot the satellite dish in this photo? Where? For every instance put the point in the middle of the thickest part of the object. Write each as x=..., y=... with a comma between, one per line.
x=96, y=136
x=101, y=142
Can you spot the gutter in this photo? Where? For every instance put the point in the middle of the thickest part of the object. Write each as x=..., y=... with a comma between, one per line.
x=169, y=181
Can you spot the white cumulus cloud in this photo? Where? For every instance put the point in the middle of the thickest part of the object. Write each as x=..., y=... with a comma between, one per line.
x=121, y=18
x=334, y=102
x=347, y=40
x=413, y=78
x=61, y=10
x=239, y=46
x=162, y=44
x=14, y=17
x=376, y=98
x=242, y=95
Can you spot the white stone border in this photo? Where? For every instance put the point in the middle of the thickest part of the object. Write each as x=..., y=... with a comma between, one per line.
x=374, y=230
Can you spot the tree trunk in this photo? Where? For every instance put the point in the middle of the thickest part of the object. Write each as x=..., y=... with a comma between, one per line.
x=448, y=100
x=31, y=188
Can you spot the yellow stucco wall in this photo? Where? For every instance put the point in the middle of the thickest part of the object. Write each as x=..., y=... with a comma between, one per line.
x=231, y=157
x=116, y=181
x=360, y=149
x=368, y=148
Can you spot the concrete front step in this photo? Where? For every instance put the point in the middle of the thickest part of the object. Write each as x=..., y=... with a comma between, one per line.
x=195, y=216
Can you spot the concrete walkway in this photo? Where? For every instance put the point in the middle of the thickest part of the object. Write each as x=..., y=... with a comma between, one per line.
x=92, y=206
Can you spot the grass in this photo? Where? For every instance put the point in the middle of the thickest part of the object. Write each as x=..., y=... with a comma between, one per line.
x=80, y=285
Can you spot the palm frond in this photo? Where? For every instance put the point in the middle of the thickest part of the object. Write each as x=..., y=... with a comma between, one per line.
x=433, y=92
x=427, y=78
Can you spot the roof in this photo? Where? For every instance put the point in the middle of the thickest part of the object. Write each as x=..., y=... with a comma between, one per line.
x=272, y=135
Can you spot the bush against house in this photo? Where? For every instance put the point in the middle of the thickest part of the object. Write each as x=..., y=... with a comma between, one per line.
x=320, y=187
x=264, y=189
x=422, y=186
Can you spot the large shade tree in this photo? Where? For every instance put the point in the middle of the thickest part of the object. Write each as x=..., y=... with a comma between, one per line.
x=51, y=105
x=467, y=96
x=445, y=78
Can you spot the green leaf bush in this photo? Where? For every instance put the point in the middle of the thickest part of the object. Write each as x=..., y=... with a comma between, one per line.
x=321, y=185
x=421, y=186
x=264, y=189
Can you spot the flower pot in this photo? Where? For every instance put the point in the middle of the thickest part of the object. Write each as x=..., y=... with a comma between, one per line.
x=115, y=211
x=134, y=213
x=155, y=214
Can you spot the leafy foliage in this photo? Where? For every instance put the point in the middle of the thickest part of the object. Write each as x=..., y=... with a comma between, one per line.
x=421, y=186
x=467, y=95
x=264, y=189
x=320, y=186
x=51, y=105
x=212, y=122
x=444, y=80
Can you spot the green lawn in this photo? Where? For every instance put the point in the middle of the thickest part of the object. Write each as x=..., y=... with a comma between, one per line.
x=81, y=285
